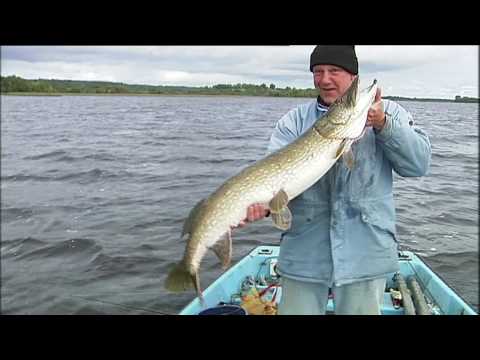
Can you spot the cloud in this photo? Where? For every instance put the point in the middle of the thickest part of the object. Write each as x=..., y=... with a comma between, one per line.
x=437, y=69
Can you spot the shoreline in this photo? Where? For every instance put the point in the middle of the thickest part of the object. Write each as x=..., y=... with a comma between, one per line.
x=140, y=94
x=394, y=98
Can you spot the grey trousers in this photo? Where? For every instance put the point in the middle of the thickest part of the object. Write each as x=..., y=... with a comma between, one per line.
x=305, y=298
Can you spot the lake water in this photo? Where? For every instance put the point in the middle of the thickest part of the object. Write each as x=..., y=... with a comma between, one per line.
x=94, y=191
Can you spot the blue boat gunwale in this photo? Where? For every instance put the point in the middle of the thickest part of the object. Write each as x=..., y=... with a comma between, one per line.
x=406, y=257
x=440, y=280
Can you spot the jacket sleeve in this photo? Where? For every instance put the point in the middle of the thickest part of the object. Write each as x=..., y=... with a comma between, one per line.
x=407, y=148
x=285, y=131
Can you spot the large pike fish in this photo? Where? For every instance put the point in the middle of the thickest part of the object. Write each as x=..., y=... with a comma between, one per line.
x=273, y=181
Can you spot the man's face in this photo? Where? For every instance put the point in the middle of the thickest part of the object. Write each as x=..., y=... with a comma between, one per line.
x=331, y=81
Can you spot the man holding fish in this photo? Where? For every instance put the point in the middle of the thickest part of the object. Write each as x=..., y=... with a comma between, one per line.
x=343, y=228
x=327, y=183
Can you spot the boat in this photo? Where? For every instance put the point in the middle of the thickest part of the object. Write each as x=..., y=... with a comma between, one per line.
x=252, y=287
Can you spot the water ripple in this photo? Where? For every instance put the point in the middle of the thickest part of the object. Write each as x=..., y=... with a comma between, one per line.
x=122, y=173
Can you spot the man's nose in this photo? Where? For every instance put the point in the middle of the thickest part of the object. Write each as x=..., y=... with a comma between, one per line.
x=323, y=78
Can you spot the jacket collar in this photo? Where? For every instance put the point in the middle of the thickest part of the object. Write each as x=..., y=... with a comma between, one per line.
x=320, y=106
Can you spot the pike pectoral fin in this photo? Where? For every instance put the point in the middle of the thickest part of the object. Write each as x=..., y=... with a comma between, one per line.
x=345, y=149
x=344, y=146
x=349, y=159
x=279, y=201
x=283, y=219
x=281, y=215
x=223, y=249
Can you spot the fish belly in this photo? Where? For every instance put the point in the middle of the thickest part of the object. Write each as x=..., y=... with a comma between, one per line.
x=309, y=172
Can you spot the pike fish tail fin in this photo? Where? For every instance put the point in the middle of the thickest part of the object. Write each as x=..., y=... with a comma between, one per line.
x=179, y=278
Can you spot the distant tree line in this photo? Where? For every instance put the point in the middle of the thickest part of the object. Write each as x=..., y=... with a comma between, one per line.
x=15, y=84
x=459, y=99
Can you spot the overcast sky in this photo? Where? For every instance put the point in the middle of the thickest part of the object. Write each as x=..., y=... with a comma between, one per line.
x=413, y=71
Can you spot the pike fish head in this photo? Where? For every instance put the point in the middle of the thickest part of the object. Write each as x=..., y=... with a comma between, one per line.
x=365, y=98
x=347, y=116
x=364, y=101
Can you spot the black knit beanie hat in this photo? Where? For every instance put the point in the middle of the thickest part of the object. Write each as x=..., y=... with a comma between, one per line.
x=339, y=55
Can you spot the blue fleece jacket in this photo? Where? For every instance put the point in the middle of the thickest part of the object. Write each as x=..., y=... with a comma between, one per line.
x=343, y=227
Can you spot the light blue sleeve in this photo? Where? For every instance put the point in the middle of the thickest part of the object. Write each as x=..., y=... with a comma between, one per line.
x=285, y=132
x=407, y=147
